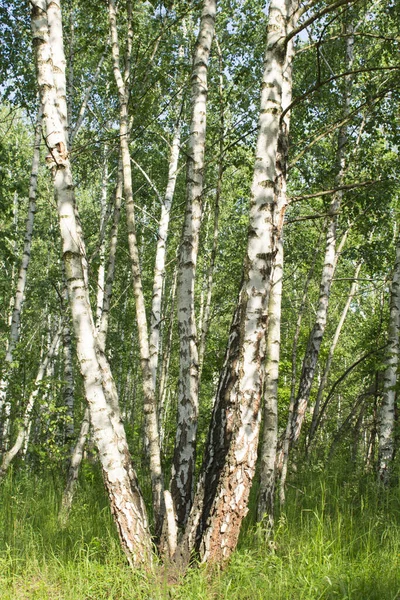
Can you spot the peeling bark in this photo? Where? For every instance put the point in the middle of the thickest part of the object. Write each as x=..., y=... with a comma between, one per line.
x=185, y=445
x=231, y=452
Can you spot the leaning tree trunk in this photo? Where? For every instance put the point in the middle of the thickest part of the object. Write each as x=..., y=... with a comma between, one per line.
x=125, y=498
x=222, y=494
x=188, y=390
x=387, y=410
x=330, y=259
x=101, y=334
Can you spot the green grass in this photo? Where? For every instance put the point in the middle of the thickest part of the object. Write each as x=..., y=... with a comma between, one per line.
x=335, y=540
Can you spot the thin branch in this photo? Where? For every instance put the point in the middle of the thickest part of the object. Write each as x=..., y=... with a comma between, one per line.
x=350, y=186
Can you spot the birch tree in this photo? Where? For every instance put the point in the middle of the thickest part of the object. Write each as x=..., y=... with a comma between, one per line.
x=185, y=445
x=222, y=494
x=388, y=405
x=270, y=431
x=22, y=276
x=147, y=381
x=120, y=480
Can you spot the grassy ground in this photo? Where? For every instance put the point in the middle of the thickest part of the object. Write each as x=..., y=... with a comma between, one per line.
x=334, y=541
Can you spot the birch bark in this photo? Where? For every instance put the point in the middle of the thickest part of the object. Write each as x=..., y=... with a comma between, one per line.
x=221, y=498
x=125, y=497
x=387, y=409
x=185, y=444
x=265, y=508
x=150, y=409
x=205, y=321
x=102, y=328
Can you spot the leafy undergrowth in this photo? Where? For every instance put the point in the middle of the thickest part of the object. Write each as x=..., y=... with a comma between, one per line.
x=334, y=541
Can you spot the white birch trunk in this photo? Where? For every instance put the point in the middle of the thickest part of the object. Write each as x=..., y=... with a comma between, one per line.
x=102, y=250
x=125, y=497
x=102, y=328
x=206, y=318
x=9, y=456
x=68, y=391
x=150, y=410
x=231, y=452
x=162, y=388
x=73, y=473
x=159, y=269
x=387, y=410
x=324, y=378
x=19, y=296
x=265, y=508
x=183, y=468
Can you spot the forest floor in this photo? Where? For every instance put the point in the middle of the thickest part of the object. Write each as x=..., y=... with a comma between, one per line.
x=334, y=540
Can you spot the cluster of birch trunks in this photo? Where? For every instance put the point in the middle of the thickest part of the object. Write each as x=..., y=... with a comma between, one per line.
x=200, y=512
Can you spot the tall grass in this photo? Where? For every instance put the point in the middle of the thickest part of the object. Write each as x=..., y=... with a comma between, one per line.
x=336, y=539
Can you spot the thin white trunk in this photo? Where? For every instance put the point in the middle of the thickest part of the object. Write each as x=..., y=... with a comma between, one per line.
x=102, y=326
x=324, y=378
x=163, y=389
x=125, y=498
x=183, y=468
x=68, y=391
x=206, y=319
x=25, y=425
x=387, y=409
x=102, y=249
x=19, y=296
x=159, y=268
x=150, y=409
x=76, y=461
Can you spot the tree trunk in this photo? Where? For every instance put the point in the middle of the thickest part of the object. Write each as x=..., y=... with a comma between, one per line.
x=205, y=321
x=120, y=480
x=159, y=267
x=387, y=409
x=185, y=445
x=265, y=506
x=19, y=296
x=150, y=410
x=324, y=379
x=102, y=328
x=221, y=498
x=25, y=425
x=73, y=473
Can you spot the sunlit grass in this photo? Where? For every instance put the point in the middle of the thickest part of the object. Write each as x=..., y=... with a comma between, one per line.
x=334, y=540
